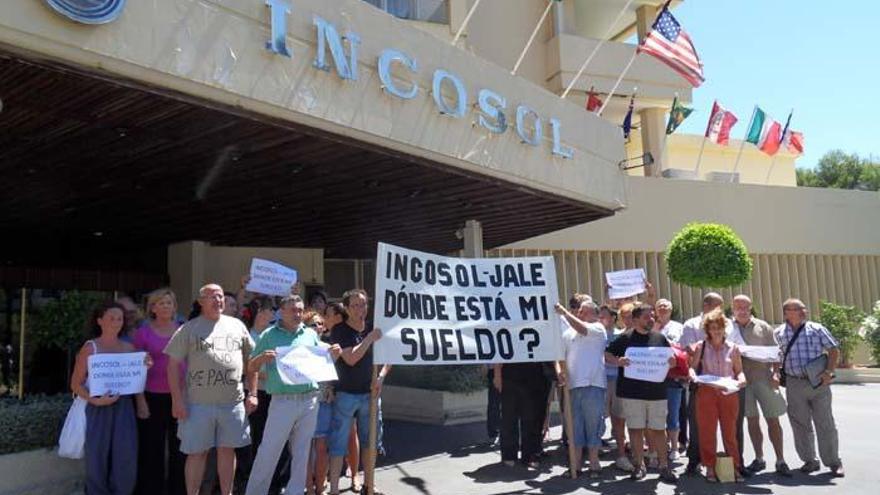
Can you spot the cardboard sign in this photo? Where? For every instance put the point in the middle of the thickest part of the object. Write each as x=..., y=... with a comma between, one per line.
x=270, y=278
x=117, y=373
x=727, y=385
x=650, y=364
x=440, y=310
x=302, y=364
x=625, y=283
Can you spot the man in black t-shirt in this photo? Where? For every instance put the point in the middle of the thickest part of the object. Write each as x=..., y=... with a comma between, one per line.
x=643, y=402
x=354, y=368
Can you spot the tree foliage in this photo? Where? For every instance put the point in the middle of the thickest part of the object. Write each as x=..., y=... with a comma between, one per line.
x=61, y=323
x=708, y=255
x=840, y=170
x=843, y=322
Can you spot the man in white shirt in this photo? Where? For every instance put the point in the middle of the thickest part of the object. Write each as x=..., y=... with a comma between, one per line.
x=585, y=341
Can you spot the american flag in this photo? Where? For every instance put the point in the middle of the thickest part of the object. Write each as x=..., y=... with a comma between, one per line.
x=671, y=45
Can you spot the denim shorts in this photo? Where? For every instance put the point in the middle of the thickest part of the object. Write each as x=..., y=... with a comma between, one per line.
x=325, y=416
x=588, y=410
x=346, y=408
x=213, y=425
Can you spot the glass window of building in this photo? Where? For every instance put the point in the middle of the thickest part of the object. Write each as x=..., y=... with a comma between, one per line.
x=416, y=10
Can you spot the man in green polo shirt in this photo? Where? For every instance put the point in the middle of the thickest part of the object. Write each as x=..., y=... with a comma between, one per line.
x=293, y=412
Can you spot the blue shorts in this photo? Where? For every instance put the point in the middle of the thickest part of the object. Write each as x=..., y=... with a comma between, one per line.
x=346, y=408
x=588, y=410
x=213, y=425
x=673, y=403
x=325, y=415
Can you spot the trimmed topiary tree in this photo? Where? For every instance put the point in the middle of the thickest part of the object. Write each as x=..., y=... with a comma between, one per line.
x=708, y=255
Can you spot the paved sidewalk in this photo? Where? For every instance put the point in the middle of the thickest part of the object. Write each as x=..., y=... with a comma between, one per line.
x=430, y=460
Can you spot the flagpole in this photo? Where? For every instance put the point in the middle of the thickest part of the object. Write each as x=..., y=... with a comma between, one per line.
x=522, y=55
x=601, y=42
x=464, y=23
x=743, y=144
x=700, y=157
x=616, y=84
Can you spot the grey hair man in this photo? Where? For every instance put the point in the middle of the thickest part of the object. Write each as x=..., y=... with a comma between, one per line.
x=762, y=388
x=801, y=342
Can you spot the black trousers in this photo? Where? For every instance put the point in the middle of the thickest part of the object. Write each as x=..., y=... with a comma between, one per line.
x=693, y=451
x=159, y=474
x=493, y=407
x=522, y=405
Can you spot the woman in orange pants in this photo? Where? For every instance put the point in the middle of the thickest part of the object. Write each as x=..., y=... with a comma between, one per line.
x=715, y=356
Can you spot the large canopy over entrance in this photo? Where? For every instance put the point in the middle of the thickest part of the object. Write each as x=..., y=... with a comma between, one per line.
x=101, y=172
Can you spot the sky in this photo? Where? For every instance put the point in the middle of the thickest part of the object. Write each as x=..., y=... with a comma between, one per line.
x=818, y=58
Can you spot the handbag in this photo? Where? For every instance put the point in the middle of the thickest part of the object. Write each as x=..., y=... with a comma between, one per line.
x=797, y=333
x=72, y=442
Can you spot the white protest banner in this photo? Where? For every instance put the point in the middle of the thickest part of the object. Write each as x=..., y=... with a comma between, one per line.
x=439, y=310
x=760, y=353
x=650, y=364
x=270, y=278
x=302, y=364
x=117, y=373
x=625, y=283
x=727, y=385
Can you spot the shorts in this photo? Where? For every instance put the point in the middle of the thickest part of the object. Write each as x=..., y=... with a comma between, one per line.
x=213, y=425
x=589, y=416
x=346, y=408
x=325, y=415
x=771, y=400
x=640, y=414
x=613, y=407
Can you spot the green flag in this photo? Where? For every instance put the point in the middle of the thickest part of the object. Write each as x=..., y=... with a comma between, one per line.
x=677, y=114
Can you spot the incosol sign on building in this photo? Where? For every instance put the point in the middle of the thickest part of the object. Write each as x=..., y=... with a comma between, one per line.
x=491, y=106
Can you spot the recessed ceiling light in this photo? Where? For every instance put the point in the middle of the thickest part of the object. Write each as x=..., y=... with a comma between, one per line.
x=97, y=233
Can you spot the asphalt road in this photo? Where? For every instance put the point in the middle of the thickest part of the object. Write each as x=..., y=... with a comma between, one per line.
x=425, y=460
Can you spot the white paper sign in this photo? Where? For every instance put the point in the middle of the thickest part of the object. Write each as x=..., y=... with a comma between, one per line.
x=650, y=364
x=298, y=365
x=625, y=283
x=440, y=310
x=117, y=374
x=727, y=385
x=270, y=278
x=761, y=353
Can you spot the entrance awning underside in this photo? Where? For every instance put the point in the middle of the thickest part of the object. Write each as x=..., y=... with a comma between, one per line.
x=94, y=168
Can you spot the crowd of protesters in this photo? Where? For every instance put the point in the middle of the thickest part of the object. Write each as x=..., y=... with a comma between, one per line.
x=213, y=386
x=652, y=424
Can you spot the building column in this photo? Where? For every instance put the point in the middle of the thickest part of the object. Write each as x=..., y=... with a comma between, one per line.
x=473, y=239
x=654, y=139
x=186, y=270
x=645, y=15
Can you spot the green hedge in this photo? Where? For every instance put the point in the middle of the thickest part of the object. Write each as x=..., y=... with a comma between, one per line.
x=444, y=378
x=33, y=423
x=708, y=255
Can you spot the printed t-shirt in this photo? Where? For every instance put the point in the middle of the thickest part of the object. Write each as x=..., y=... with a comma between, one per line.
x=215, y=352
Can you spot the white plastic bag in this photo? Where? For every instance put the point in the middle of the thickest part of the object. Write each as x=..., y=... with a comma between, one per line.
x=72, y=442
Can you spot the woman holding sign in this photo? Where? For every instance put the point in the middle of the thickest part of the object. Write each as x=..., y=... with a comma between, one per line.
x=716, y=358
x=111, y=429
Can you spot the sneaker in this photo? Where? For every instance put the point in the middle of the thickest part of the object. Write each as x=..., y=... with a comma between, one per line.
x=837, y=471
x=493, y=441
x=668, y=476
x=623, y=463
x=810, y=467
x=782, y=469
x=673, y=455
x=757, y=466
x=638, y=473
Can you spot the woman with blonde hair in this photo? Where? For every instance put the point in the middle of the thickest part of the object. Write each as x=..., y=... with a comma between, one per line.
x=718, y=357
x=156, y=426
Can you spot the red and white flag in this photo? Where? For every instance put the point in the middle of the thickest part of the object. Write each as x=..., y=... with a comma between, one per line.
x=671, y=45
x=794, y=141
x=720, y=123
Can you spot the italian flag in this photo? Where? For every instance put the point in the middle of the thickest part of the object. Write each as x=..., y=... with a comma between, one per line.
x=764, y=132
